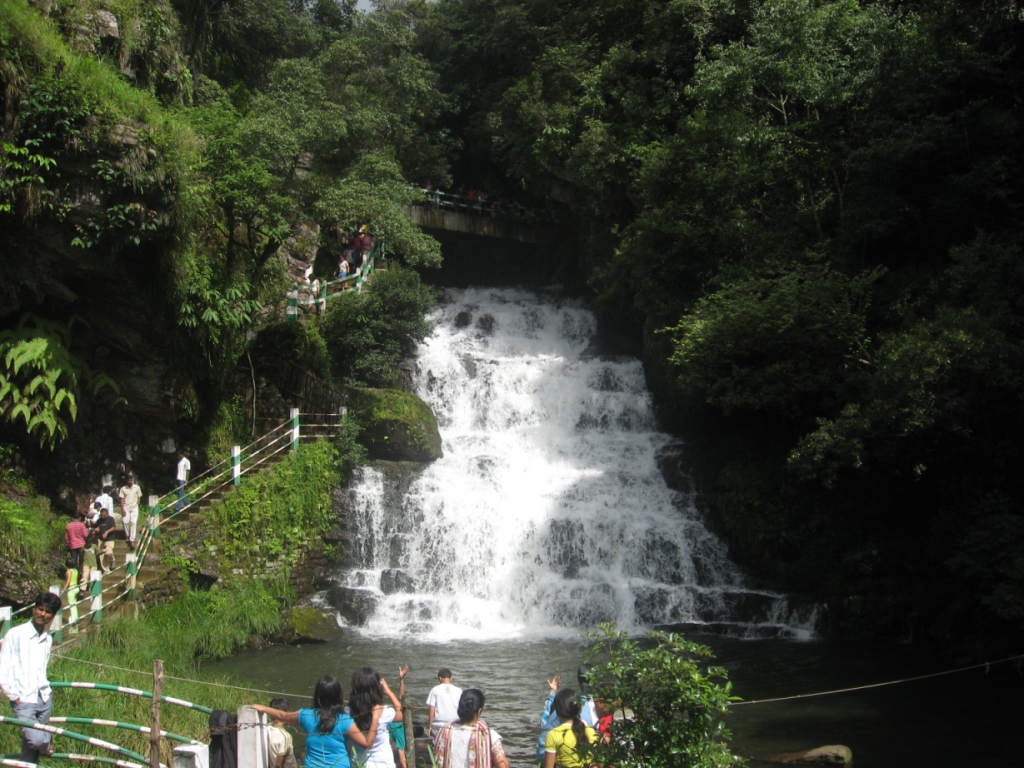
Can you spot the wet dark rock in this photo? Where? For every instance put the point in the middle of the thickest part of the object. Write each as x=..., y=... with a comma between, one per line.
x=355, y=605
x=395, y=581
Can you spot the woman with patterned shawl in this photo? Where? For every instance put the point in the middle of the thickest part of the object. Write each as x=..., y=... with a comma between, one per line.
x=468, y=742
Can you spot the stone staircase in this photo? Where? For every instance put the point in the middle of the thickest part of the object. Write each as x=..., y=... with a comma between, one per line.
x=157, y=580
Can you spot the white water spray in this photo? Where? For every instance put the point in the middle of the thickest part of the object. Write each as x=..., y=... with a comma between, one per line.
x=548, y=512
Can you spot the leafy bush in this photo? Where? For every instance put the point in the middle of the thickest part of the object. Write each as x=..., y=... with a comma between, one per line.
x=677, y=703
x=273, y=513
x=369, y=333
x=29, y=530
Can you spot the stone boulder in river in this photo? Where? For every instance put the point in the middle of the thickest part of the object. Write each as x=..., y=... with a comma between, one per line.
x=833, y=754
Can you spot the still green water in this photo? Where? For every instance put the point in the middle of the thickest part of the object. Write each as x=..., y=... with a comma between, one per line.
x=955, y=721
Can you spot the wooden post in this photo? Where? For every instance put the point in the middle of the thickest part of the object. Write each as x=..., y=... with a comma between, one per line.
x=154, y=734
x=410, y=734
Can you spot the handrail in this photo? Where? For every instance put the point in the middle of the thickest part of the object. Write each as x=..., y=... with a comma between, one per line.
x=4, y=720
x=435, y=198
x=127, y=726
x=250, y=458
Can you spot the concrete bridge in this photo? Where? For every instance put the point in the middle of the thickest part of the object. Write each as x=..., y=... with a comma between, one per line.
x=475, y=216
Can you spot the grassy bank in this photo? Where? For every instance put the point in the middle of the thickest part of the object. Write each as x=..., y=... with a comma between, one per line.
x=262, y=519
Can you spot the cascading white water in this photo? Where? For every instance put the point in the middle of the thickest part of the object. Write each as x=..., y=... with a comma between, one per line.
x=548, y=512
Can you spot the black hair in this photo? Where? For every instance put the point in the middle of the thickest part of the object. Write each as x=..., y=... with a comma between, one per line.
x=366, y=695
x=444, y=672
x=49, y=601
x=470, y=702
x=567, y=707
x=281, y=703
x=329, y=702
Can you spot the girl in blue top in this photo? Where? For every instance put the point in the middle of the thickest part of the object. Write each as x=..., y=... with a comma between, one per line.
x=326, y=725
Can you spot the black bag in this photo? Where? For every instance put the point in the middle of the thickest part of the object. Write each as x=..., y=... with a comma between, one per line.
x=223, y=739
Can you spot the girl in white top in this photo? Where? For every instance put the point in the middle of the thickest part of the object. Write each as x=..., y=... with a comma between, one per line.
x=367, y=697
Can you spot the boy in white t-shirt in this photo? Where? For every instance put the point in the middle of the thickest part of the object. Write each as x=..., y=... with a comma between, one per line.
x=443, y=702
x=280, y=747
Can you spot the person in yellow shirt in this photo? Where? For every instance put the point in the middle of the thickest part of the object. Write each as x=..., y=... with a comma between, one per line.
x=569, y=744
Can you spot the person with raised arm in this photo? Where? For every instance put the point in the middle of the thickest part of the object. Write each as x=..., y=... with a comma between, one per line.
x=366, y=703
x=326, y=725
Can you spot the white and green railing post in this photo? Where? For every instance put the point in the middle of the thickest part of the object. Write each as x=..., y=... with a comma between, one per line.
x=132, y=569
x=154, y=517
x=292, y=307
x=236, y=464
x=96, y=593
x=5, y=618
x=57, y=625
x=295, y=428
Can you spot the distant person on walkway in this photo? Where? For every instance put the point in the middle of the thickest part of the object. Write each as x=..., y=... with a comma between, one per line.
x=366, y=703
x=569, y=744
x=342, y=270
x=326, y=726
x=89, y=560
x=105, y=500
x=24, y=657
x=75, y=534
x=105, y=530
x=131, y=497
x=442, y=702
x=92, y=517
x=184, y=467
x=281, y=748
x=70, y=590
x=469, y=742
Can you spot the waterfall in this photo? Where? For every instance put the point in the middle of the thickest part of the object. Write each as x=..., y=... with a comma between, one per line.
x=548, y=512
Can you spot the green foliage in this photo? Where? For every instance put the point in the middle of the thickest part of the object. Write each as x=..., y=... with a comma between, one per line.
x=227, y=427
x=28, y=528
x=199, y=625
x=39, y=379
x=273, y=514
x=774, y=342
x=369, y=333
x=677, y=702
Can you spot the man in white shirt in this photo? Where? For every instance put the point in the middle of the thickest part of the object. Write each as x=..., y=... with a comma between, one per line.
x=443, y=702
x=131, y=497
x=104, y=500
x=24, y=657
x=184, y=467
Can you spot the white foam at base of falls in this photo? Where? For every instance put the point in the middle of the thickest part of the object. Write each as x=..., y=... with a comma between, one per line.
x=548, y=513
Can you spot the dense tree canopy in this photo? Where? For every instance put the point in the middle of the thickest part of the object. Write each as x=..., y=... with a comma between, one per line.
x=809, y=209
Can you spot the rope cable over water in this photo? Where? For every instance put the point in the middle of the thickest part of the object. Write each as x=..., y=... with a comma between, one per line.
x=985, y=664
x=877, y=685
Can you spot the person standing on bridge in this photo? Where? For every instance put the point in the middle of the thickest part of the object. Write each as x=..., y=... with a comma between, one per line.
x=24, y=657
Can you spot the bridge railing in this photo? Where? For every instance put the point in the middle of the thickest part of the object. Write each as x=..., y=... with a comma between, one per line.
x=481, y=206
x=330, y=289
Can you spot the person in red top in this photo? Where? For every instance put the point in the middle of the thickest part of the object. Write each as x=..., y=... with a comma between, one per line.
x=75, y=534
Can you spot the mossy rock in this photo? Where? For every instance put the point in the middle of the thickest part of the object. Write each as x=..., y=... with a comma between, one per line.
x=396, y=425
x=307, y=624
